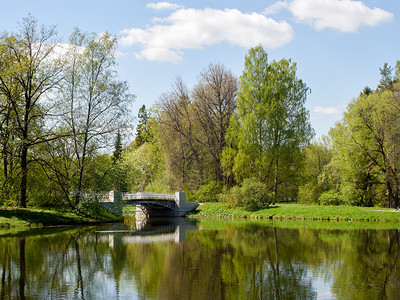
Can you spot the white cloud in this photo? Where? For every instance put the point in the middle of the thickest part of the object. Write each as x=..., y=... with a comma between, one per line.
x=197, y=28
x=276, y=7
x=326, y=110
x=343, y=15
x=163, y=5
x=56, y=51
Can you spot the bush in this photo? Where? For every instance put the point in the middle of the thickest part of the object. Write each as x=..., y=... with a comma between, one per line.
x=251, y=194
x=208, y=192
x=333, y=198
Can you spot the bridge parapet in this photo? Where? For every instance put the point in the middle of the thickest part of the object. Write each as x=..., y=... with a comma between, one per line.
x=148, y=196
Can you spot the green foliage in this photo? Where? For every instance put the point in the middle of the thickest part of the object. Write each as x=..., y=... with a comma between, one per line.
x=251, y=194
x=272, y=123
x=333, y=198
x=366, y=143
x=142, y=165
x=308, y=193
x=117, y=148
x=317, y=156
x=143, y=133
x=208, y=192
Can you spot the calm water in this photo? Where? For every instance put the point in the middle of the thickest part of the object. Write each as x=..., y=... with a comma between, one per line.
x=207, y=259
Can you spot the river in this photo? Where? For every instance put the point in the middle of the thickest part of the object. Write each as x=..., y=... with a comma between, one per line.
x=202, y=259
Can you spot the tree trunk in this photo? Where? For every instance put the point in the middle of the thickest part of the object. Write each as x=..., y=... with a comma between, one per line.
x=276, y=180
x=81, y=169
x=6, y=190
x=24, y=175
x=79, y=190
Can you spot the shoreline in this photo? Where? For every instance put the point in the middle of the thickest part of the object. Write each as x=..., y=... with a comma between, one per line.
x=299, y=212
x=12, y=217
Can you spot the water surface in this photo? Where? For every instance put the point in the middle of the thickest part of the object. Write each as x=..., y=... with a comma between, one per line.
x=201, y=259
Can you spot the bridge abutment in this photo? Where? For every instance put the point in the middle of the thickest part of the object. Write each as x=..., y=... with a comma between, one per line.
x=183, y=207
x=113, y=203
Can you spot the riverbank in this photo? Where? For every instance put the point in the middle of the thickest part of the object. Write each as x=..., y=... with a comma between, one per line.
x=294, y=211
x=37, y=217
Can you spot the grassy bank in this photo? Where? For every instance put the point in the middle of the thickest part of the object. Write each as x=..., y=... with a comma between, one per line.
x=35, y=217
x=302, y=212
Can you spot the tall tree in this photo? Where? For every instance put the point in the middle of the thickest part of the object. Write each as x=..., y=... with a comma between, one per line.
x=28, y=76
x=117, y=154
x=96, y=103
x=386, y=82
x=367, y=141
x=179, y=135
x=272, y=123
x=142, y=130
x=214, y=100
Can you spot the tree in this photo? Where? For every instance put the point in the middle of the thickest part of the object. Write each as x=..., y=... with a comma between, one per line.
x=28, y=77
x=117, y=154
x=179, y=136
x=214, y=100
x=386, y=82
x=96, y=103
x=272, y=123
x=316, y=157
x=142, y=130
x=367, y=141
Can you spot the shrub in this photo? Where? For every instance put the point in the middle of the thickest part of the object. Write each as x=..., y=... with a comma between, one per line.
x=208, y=192
x=251, y=194
x=333, y=198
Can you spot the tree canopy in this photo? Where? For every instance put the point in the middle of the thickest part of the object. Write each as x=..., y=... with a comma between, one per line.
x=272, y=123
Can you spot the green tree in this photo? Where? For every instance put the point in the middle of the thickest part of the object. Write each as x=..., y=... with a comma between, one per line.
x=316, y=157
x=28, y=76
x=180, y=138
x=96, y=103
x=117, y=154
x=272, y=123
x=214, y=101
x=386, y=82
x=142, y=130
x=367, y=142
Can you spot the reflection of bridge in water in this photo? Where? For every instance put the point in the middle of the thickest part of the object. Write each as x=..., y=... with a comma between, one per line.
x=147, y=231
x=150, y=205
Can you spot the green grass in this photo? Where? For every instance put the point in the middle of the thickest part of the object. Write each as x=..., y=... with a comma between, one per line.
x=302, y=212
x=36, y=217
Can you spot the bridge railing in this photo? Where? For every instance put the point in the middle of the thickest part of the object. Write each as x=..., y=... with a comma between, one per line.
x=146, y=196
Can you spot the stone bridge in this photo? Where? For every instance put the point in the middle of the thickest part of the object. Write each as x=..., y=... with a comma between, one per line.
x=150, y=205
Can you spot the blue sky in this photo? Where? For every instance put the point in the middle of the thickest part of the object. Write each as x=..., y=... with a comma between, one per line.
x=338, y=45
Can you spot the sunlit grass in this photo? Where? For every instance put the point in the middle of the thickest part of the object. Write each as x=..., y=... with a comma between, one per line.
x=302, y=212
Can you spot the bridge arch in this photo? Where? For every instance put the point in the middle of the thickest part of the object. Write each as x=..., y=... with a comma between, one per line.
x=151, y=204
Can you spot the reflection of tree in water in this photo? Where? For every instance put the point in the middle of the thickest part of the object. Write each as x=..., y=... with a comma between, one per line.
x=49, y=266
x=370, y=268
x=249, y=262
x=232, y=264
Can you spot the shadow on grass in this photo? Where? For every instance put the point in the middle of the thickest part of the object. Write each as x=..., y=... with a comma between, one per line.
x=37, y=217
x=264, y=208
